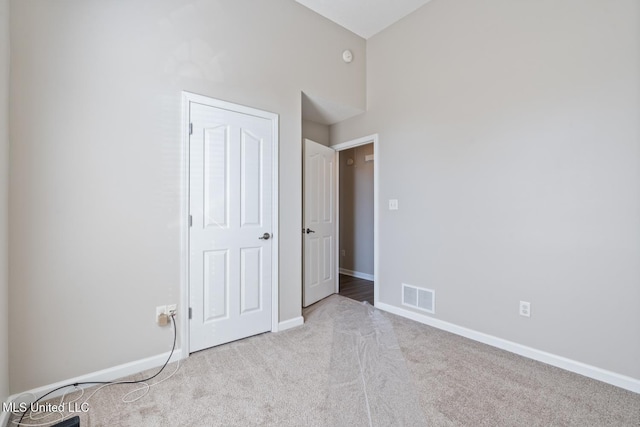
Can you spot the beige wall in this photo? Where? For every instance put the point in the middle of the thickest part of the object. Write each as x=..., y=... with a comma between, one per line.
x=95, y=200
x=509, y=132
x=315, y=131
x=4, y=187
x=356, y=210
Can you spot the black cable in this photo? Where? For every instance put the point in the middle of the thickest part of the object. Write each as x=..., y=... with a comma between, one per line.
x=175, y=334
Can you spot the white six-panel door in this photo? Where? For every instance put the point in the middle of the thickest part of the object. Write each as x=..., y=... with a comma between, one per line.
x=230, y=239
x=319, y=222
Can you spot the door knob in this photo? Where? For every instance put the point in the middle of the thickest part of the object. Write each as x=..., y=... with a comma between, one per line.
x=309, y=231
x=265, y=236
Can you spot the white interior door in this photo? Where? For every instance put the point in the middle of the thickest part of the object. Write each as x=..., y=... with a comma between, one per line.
x=319, y=222
x=230, y=244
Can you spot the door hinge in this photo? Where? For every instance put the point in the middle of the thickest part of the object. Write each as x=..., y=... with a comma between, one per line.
x=190, y=128
x=190, y=313
x=190, y=221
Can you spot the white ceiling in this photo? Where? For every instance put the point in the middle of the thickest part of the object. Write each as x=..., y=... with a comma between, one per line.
x=364, y=17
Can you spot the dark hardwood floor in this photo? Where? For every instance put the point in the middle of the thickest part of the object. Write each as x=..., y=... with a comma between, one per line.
x=357, y=289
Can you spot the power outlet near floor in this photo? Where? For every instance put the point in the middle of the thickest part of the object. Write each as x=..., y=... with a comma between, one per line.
x=525, y=309
x=163, y=313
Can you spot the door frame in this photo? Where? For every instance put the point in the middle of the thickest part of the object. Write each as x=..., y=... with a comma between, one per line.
x=183, y=312
x=370, y=139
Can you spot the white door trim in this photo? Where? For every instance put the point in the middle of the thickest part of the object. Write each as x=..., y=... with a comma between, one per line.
x=376, y=207
x=183, y=313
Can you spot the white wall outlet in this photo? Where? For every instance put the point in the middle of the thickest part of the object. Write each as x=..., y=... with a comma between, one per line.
x=525, y=309
x=171, y=309
x=393, y=204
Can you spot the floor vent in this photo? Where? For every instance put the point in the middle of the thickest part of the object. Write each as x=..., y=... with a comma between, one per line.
x=420, y=298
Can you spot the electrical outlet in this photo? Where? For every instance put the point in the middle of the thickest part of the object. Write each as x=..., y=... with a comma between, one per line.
x=393, y=204
x=525, y=309
x=171, y=309
x=343, y=252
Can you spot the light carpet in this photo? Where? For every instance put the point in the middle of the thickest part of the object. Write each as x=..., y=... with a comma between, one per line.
x=352, y=365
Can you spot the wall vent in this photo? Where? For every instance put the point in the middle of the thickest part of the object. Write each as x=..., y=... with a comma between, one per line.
x=420, y=298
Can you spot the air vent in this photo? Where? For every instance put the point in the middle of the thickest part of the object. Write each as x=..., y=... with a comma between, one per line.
x=409, y=295
x=420, y=298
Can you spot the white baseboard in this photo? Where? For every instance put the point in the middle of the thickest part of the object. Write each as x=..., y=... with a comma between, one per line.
x=613, y=378
x=291, y=323
x=356, y=274
x=108, y=374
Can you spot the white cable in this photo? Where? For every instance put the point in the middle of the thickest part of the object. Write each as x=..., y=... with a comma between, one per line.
x=48, y=423
x=48, y=414
x=146, y=386
x=63, y=417
x=31, y=413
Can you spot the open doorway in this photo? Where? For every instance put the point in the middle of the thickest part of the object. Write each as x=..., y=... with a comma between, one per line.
x=357, y=219
x=320, y=210
x=321, y=231
x=356, y=223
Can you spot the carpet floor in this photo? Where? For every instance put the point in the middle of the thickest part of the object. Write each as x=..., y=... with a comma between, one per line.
x=352, y=365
